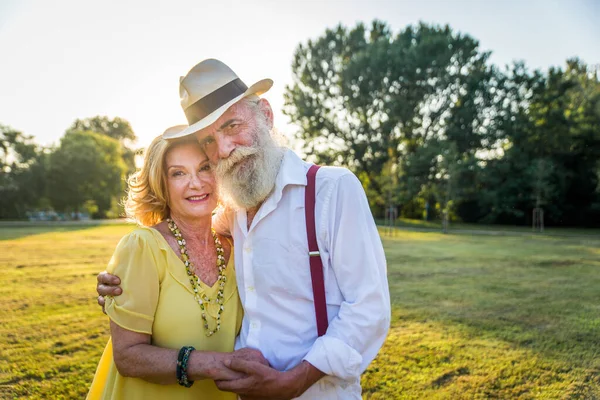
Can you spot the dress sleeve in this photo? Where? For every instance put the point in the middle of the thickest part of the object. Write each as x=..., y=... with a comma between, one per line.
x=135, y=263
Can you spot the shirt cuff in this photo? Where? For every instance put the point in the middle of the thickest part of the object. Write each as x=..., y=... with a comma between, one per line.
x=334, y=357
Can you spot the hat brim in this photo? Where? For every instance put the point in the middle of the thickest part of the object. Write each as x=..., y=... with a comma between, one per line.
x=258, y=88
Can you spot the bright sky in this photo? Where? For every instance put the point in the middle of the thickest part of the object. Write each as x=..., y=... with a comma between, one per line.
x=62, y=60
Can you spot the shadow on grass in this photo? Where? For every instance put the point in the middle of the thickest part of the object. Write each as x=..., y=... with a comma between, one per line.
x=427, y=358
x=18, y=232
x=536, y=294
x=557, y=337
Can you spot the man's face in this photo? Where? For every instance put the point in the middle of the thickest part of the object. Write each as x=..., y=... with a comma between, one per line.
x=245, y=157
x=235, y=128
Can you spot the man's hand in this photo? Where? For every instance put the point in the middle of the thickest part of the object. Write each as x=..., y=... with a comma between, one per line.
x=263, y=382
x=108, y=285
x=246, y=354
x=260, y=381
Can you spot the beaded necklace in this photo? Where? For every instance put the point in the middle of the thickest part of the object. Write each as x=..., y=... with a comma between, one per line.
x=195, y=280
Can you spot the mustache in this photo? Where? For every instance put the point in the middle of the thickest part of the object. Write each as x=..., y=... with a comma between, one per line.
x=240, y=153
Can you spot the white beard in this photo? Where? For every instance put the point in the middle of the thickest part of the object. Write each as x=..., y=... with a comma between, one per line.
x=247, y=177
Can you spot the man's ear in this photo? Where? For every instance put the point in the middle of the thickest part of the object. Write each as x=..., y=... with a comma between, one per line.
x=267, y=111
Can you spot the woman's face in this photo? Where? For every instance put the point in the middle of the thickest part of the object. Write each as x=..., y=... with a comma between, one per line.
x=190, y=182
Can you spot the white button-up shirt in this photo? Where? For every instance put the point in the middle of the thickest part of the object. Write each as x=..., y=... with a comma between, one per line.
x=273, y=275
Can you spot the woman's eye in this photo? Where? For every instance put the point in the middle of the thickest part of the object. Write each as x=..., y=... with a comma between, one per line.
x=205, y=167
x=177, y=173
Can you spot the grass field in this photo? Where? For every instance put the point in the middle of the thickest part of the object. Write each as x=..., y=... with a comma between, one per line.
x=500, y=317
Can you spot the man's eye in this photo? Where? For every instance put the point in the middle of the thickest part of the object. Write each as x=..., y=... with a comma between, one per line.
x=208, y=141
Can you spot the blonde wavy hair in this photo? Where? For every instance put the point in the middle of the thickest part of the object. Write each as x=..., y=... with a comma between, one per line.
x=147, y=194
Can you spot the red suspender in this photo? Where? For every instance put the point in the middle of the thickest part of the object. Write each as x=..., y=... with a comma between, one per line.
x=316, y=265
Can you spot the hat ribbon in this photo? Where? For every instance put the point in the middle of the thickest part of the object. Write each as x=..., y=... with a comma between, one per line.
x=214, y=100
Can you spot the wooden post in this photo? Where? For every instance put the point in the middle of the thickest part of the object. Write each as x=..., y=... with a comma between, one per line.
x=445, y=222
x=391, y=214
x=538, y=220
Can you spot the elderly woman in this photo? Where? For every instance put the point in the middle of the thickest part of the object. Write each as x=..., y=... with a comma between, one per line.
x=176, y=321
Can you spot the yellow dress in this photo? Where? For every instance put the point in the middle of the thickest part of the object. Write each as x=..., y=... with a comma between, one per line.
x=158, y=300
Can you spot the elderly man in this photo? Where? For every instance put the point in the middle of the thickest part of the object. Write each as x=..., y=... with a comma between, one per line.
x=265, y=184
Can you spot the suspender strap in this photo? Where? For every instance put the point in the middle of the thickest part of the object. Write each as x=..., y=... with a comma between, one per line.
x=316, y=265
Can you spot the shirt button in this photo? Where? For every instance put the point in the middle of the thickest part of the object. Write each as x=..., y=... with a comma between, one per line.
x=250, y=288
x=253, y=325
x=247, y=249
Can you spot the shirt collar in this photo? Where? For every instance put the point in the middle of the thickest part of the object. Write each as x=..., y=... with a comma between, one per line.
x=292, y=171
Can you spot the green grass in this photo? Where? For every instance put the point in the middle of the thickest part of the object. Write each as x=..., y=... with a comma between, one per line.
x=490, y=317
x=484, y=317
x=51, y=331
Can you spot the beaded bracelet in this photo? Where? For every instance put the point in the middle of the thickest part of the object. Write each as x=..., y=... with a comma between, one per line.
x=179, y=357
x=182, y=362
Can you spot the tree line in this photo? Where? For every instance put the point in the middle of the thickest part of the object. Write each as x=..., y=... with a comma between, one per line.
x=83, y=174
x=427, y=121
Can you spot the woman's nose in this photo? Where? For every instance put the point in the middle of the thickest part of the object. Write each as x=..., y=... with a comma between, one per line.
x=195, y=181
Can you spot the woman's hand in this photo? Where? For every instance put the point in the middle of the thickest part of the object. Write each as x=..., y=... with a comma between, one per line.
x=213, y=365
x=250, y=354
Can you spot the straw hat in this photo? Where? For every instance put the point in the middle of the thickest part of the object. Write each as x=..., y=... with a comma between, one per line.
x=207, y=91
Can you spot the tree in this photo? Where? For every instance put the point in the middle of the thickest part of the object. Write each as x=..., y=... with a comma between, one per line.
x=502, y=189
x=22, y=173
x=363, y=97
x=116, y=128
x=550, y=135
x=422, y=118
x=86, y=167
x=581, y=111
